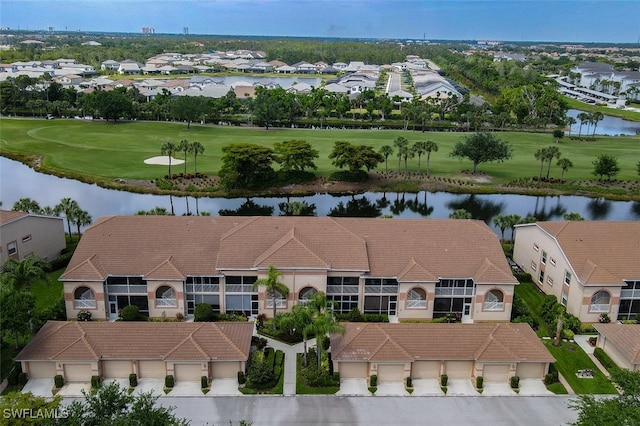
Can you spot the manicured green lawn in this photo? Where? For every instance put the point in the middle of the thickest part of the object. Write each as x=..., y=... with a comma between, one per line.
x=47, y=293
x=117, y=150
x=569, y=359
x=533, y=298
x=558, y=389
x=303, y=388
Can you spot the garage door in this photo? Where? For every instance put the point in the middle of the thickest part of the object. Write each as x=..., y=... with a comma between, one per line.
x=458, y=369
x=390, y=372
x=116, y=369
x=495, y=372
x=187, y=372
x=225, y=370
x=353, y=370
x=425, y=369
x=530, y=370
x=151, y=369
x=77, y=372
x=43, y=370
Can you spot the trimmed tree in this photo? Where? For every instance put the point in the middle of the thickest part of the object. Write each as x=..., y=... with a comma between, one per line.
x=482, y=147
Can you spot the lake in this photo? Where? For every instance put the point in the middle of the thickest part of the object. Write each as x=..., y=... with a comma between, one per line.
x=609, y=125
x=20, y=181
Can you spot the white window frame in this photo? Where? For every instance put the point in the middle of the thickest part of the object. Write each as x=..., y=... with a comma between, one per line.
x=564, y=298
x=552, y=261
x=26, y=238
x=492, y=302
x=166, y=302
x=600, y=307
x=534, y=265
x=536, y=247
x=415, y=300
x=85, y=302
x=543, y=258
x=567, y=273
x=550, y=280
x=12, y=248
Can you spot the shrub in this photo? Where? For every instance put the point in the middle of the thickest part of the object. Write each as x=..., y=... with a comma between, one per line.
x=443, y=380
x=12, y=377
x=260, y=319
x=355, y=315
x=552, y=376
x=604, y=318
x=168, y=381
x=96, y=381
x=180, y=316
x=133, y=380
x=409, y=382
x=84, y=315
x=593, y=340
x=204, y=382
x=58, y=381
x=567, y=334
x=241, y=378
x=373, y=381
x=515, y=382
x=259, y=342
x=587, y=328
x=479, y=382
x=523, y=277
x=22, y=378
x=259, y=371
x=203, y=312
x=604, y=359
x=130, y=313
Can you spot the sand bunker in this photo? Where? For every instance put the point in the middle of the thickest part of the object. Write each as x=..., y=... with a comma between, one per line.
x=163, y=160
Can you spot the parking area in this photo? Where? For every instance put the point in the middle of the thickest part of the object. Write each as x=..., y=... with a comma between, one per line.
x=39, y=387
x=427, y=387
x=533, y=387
x=353, y=387
x=461, y=387
x=497, y=389
x=186, y=388
x=75, y=389
x=391, y=389
x=224, y=387
x=154, y=386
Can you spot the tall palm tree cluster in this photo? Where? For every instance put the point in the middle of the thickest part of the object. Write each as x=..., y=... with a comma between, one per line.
x=589, y=118
x=406, y=151
x=185, y=147
x=67, y=207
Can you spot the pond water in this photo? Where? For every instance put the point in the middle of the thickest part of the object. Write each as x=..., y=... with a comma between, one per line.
x=19, y=181
x=609, y=125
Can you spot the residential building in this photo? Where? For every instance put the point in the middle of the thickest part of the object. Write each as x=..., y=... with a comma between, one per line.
x=621, y=342
x=23, y=234
x=590, y=266
x=409, y=268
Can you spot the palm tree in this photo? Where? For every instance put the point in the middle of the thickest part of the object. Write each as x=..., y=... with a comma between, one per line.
x=573, y=216
x=583, y=116
x=196, y=148
x=502, y=222
x=273, y=286
x=27, y=205
x=570, y=122
x=564, y=164
x=68, y=207
x=430, y=146
x=168, y=148
x=81, y=218
x=595, y=118
x=22, y=273
x=418, y=149
x=303, y=319
x=401, y=143
x=541, y=154
x=460, y=214
x=185, y=147
x=552, y=152
x=324, y=322
x=514, y=219
x=386, y=150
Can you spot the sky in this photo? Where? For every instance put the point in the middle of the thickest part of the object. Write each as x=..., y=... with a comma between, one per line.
x=611, y=21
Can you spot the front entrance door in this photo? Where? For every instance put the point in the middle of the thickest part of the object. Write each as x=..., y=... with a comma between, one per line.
x=466, y=312
x=113, y=309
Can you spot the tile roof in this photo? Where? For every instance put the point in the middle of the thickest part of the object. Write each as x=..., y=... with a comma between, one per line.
x=408, y=342
x=625, y=337
x=588, y=245
x=92, y=341
x=7, y=216
x=173, y=247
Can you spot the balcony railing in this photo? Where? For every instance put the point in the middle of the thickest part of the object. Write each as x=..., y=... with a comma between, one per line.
x=280, y=303
x=84, y=303
x=493, y=306
x=630, y=294
x=342, y=289
x=454, y=291
x=416, y=304
x=599, y=307
x=166, y=303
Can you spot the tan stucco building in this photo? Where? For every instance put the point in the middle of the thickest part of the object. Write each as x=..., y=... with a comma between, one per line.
x=592, y=267
x=23, y=234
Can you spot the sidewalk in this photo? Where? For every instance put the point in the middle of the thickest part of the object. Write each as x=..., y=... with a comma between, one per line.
x=290, y=356
x=582, y=340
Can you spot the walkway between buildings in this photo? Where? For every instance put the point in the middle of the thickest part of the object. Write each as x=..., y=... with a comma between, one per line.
x=290, y=356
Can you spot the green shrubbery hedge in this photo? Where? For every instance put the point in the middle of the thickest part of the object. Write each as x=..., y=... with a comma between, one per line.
x=604, y=359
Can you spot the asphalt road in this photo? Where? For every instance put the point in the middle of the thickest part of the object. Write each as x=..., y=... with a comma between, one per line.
x=333, y=410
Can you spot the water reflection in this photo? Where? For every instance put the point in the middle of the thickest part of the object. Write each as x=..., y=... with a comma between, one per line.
x=248, y=208
x=609, y=125
x=356, y=207
x=480, y=208
x=599, y=208
x=542, y=212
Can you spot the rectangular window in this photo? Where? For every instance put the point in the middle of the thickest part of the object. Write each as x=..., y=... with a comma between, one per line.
x=536, y=247
x=26, y=238
x=12, y=248
x=541, y=277
x=552, y=261
x=567, y=277
x=543, y=260
x=550, y=281
x=564, y=299
x=534, y=265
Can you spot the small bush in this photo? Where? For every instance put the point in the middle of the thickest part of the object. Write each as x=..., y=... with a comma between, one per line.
x=96, y=381
x=58, y=381
x=443, y=380
x=259, y=342
x=604, y=318
x=168, y=381
x=515, y=382
x=180, y=316
x=260, y=372
x=355, y=315
x=373, y=381
x=84, y=315
x=204, y=382
x=552, y=376
x=12, y=377
x=593, y=340
x=409, y=382
x=567, y=334
x=523, y=277
x=604, y=359
x=479, y=382
x=241, y=378
x=203, y=312
x=587, y=328
x=133, y=380
x=130, y=313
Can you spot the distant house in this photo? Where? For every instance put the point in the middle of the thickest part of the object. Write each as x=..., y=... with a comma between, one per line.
x=23, y=234
x=110, y=65
x=621, y=342
x=590, y=266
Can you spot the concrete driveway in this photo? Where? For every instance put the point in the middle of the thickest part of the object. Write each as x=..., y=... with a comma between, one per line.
x=75, y=389
x=154, y=386
x=461, y=387
x=123, y=383
x=497, y=389
x=39, y=387
x=224, y=387
x=186, y=388
x=533, y=387
x=353, y=387
x=427, y=387
x=391, y=389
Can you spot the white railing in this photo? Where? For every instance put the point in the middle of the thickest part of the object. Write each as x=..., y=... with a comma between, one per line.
x=416, y=303
x=166, y=303
x=493, y=306
x=454, y=291
x=203, y=288
x=280, y=303
x=84, y=303
x=599, y=307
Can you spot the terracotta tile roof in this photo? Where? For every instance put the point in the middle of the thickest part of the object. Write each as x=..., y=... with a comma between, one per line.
x=407, y=342
x=173, y=247
x=625, y=337
x=7, y=216
x=600, y=252
x=60, y=340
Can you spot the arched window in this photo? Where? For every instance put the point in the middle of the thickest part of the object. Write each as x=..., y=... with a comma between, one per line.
x=166, y=297
x=494, y=301
x=281, y=302
x=416, y=298
x=84, y=298
x=306, y=294
x=600, y=302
